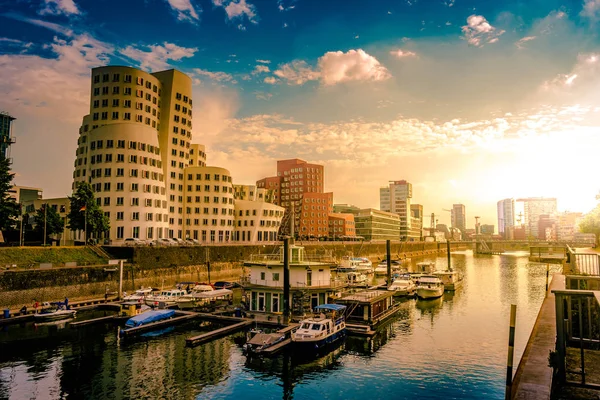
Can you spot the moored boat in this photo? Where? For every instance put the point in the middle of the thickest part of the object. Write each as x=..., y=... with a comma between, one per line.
x=381, y=269
x=166, y=297
x=429, y=287
x=260, y=342
x=140, y=294
x=203, y=297
x=452, y=280
x=133, y=308
x=323, y=329
x=356, y=278
x=356, y=264
x=149, y=317
x=403, y=285
x=54, y=314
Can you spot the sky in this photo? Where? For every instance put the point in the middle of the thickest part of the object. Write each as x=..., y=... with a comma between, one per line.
x=472, y=101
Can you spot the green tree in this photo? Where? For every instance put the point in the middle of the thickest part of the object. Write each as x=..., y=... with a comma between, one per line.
x=54, y=222
x=84, y=209
x=9, y=209
x=590, y=223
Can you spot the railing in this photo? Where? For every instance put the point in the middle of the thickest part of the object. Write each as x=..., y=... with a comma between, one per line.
x=307, y=258
x=326, y=283
x=577, y=332
x=583, y=263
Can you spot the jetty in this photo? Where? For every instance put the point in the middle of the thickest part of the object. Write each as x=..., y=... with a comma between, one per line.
x=181, y=316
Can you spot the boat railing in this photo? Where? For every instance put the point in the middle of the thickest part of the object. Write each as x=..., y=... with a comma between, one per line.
x=315, y=284
x=258, y=258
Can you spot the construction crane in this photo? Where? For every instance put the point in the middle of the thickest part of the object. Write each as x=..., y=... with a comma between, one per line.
x=450, y=211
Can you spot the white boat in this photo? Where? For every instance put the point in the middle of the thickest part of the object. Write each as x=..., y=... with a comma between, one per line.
x=356, y=278
x=323, y=329
x=166, y=297
x=403, y=286
x=429, y=287
x=260, y=342
x=452, y=280
x=382, y=267
x=354, y=264
x=140, y=294
x=425, y=267
x=55, y=314
x=203, y=297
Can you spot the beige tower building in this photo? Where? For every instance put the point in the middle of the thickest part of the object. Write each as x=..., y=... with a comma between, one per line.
x=133, y=148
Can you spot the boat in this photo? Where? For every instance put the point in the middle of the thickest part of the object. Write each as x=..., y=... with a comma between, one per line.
x=165, y=298
x=403, y=285
x=452, y=280
x=425, y=267
x=356, y=278
x=381, y=269
x=140, y=294
x=133, y=308
x=54, y=314
x=323, y=329
x=355, y=264
x=260, y=341
x=201, y=298
x=148, y=317
x=429, y=287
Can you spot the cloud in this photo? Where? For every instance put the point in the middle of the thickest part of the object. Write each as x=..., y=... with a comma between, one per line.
x=264, y=61
x=263, y=95
x=44, y=24
x=215, y=76
x=238, y=9
x=157, y=56
x=403, y=53
x=578, y=85
x=57, y=7
x=478, y=31
x=185, y=10
x=270, y=80
x=259, y=69
x=520, y=42
x=591, y=10
x=333, y=68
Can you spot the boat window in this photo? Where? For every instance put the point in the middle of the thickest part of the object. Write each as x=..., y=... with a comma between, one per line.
x=316, y=327
x=305, y=326
x=323, y=327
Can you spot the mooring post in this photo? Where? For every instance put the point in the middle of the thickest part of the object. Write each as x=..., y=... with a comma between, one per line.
x=208, y=263
x=286, y=281
x=120, y=279
x=511, y=351
x=448, y=251
x=547, y=275
x=388, y=252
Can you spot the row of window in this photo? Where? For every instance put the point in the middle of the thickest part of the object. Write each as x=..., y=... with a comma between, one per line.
x=127, y=78
x=127, y=91
x=134, y=201
x=207, y=177
x=133, y=187
x=133, y=145
x=133, y=173
x=224, y=200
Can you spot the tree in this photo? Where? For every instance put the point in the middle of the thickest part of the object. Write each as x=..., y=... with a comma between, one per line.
x=9, y=209
x=590, y=223
x=53, y=221
x=85, y=209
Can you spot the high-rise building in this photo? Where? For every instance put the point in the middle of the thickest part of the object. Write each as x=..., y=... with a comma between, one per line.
x=458, y=217
x=533, y=208
x=415, y=232
x=396, y=199
x=374, y=224
x=300, y=185
x=506, y=217
x=6, y=137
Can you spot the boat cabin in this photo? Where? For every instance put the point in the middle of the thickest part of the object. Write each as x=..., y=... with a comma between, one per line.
x=425, y=267
x=368, y=307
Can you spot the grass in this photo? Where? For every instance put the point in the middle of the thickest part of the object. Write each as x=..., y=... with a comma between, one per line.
x=24, y=257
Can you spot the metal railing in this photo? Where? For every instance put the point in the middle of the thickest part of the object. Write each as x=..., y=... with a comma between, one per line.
x=315, y=284
x=307, y=258
x=587, y=263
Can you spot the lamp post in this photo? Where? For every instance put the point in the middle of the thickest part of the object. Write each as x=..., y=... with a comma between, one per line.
x=45, y=213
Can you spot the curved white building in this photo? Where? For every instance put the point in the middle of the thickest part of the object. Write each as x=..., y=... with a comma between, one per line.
x=257, y=221
x=133, y=149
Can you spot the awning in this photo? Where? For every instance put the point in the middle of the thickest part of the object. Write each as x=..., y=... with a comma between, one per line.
x=331, y=307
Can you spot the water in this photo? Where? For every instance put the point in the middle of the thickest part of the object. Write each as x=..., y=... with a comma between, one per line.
x=450, y=348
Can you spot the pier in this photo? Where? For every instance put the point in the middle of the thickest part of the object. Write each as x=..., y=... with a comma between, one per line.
x=182, y=316
x=217, y=333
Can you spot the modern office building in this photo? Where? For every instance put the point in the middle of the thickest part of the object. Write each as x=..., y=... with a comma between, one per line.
x=506, y=217
x=341, y=226
x=415, y=233
x=299, y=185
x=533, y=208
x=24, y=194
x=458, y=217
x=372, y=224
x=244, y=192
x=395, y=198
x=486, y=229
x=567, y=223
x=6, y=136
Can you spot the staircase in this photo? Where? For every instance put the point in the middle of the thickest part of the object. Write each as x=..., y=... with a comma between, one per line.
x=100, y=252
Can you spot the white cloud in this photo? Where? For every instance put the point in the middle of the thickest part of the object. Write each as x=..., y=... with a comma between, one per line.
x=591, y=10
x=354, y=65
x=579, y=84
x=44, y=24
x=403, y=53
x=238, y=9
x=260, y=69
x=270, y=80
x=478, y=31
x=520, y=43
x=264, y=61
x=215, y=76
x=157, y=56
x=56, y=7
x=185, y=10
x=333, y=68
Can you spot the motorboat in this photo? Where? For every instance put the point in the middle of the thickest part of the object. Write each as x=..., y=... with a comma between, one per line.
x=165, y=297
x=356, y=278
x=260, y=342
x=200, y=298
x=140, y=294
x=146, y=318
x=403, y=285
x=54, y=314
x=324, y=328
x=452, y=279
x=356, y=264
x=381, y=268
x=429, y=287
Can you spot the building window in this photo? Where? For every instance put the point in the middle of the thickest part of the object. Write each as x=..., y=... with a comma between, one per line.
x=120, y=230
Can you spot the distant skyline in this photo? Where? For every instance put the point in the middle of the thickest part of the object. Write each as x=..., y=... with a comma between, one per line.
x=470, y=101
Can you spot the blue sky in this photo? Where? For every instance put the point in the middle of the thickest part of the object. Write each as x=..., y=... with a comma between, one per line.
x=470, y=100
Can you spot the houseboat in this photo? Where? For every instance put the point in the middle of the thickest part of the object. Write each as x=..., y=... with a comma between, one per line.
x=367, y=309
x=326, y=327
x=429, y=287
x=311, y=283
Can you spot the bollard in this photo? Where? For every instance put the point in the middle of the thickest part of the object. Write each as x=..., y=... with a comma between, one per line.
x=547, y=275
x=511, y=351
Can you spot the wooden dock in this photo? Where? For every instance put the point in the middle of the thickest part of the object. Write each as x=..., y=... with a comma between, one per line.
x=360, y=330
x=182, y=316
x=217, y=333
x=108, y=318
x=271, y=351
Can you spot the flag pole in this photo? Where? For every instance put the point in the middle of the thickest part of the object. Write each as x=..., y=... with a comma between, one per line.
x=85, y=223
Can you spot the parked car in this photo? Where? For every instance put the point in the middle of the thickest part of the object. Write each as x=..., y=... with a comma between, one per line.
x=164, y=242
x=133, y=242
x=180, y=242
x=192, y=242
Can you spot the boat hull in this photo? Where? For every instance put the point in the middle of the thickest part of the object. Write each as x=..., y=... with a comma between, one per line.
x=430, y=293
x=317, y=344
x=404, y=292
x=44, y=317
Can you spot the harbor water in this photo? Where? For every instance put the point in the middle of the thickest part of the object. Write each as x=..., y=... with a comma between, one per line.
x=449, y=348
